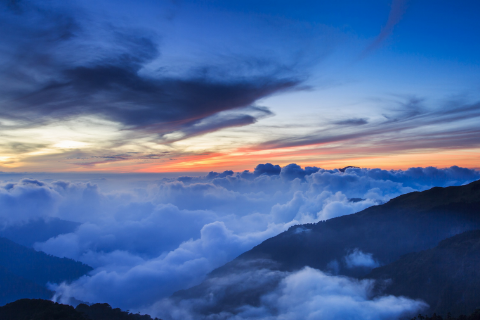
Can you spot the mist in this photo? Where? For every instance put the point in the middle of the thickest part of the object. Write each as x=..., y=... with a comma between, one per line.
x=147, y=238
x=305, y=294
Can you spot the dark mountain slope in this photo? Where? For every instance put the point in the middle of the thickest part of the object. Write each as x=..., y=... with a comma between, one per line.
x=37, y=309
x=37, y=266
x=103, y=311
x=408, y=223
x=13, y=287
x=447, y=277
x=473, y=316
x=37, y=230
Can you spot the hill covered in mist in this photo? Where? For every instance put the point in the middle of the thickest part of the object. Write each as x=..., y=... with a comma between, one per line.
x=447, y=277
x=147, y=237
x=24, y=272
x=352, y=246
x=37, y=230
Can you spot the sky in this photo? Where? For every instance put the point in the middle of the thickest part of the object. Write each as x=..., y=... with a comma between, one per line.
x=198, y=86
x=178, y=134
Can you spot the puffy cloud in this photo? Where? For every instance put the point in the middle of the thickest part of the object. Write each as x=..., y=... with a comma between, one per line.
x=311, y=294
x=150, y=280
x=305, y=294
x=268, y=169
x=359, y=259
x=25, y=200
x=294, y=171
x=159, y=236
x=156, y=232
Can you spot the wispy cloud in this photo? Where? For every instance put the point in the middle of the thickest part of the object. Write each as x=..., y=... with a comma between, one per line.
x=452, y=126
x=398, y=8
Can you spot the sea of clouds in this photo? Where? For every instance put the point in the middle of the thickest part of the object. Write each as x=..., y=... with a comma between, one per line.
x=305, y=294
x=153, y=238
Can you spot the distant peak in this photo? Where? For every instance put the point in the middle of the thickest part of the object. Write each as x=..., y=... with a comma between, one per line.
x=348, y=167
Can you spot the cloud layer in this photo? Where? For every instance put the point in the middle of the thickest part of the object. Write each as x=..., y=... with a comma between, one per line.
x=305, y=294
x=155, y=237
x=112, y=81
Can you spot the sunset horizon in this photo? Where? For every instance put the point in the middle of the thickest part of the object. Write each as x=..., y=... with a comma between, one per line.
x=239, y=160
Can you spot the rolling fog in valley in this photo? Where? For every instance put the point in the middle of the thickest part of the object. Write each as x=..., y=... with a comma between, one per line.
x=159, y=235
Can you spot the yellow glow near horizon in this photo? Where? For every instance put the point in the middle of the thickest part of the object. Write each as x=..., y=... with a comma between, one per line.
x=69, y=144
x=92, y=144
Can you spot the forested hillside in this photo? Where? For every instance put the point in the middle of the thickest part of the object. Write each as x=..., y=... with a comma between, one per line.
x=38, y=309
x=409, y=223
x=14, y=287
x=447, y=277
x=25, y=272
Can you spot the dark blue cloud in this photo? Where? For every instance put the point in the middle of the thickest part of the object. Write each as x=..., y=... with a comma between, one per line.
x=294, y=171
x=352, y=122
x=56, y=70
x=213, y=175
x=268, y=169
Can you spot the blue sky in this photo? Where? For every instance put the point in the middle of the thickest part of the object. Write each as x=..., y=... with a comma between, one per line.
x=164, y=86
x=97, y=95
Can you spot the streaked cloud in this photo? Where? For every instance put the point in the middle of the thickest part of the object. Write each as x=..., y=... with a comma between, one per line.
x=161, y=87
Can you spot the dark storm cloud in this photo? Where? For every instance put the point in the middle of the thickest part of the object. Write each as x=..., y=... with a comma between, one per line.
x=119, y=93
x=61, y=70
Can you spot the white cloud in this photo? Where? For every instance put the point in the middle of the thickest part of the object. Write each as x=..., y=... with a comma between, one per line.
x=311, y=294
x=156, y=278
x=359, y=259
x=166, y=235
x=305, y=294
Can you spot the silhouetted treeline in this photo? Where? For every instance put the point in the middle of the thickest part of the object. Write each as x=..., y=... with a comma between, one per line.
x=474, y=316
x=38, y=309
x=13, y=287
x=103, y=311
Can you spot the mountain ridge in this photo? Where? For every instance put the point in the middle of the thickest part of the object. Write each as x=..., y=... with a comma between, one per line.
x=25, y=272
x=409, y=223
x=454, y=205
x=447, y=277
